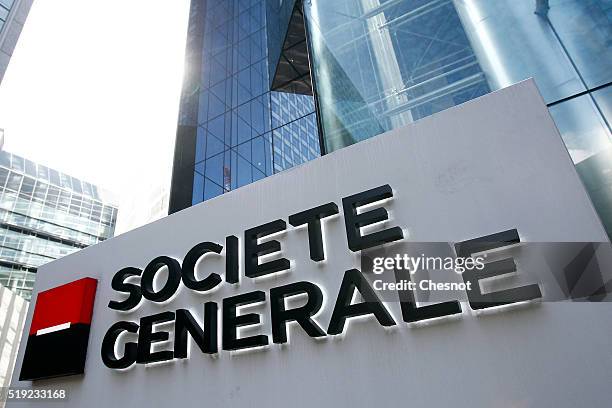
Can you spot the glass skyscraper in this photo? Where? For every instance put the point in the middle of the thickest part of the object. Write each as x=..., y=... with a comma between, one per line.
x=44, y=215
x=375, y=65
x=247, y=109
x=13, y=14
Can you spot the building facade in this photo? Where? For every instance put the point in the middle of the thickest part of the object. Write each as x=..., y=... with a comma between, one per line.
x=44, y=215
x=247, y=109
x=13, y=14
x=373, y=66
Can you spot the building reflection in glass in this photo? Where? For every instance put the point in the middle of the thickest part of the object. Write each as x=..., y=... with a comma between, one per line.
x=378, y=64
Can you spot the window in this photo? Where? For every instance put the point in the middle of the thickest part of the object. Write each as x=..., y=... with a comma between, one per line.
x=7, y=3
x=3, y=176
x=14, y=181
x=27, y=187
x=18, y=163
x=3, y=14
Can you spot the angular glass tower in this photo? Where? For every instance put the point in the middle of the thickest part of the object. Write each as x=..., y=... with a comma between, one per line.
x=44, y=215
x=381, y=65
x=378, y=64
x=375, y=65
x=401, y=60
x=247, y=109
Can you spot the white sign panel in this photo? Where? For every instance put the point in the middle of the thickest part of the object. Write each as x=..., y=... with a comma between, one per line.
x=257, y=298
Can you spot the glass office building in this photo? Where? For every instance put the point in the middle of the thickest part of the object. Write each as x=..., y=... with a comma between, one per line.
x=13, y=14
x=375, y=65
x=247, y=109
x=44, y=215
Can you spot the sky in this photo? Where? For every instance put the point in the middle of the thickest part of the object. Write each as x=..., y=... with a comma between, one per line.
x=93, y=90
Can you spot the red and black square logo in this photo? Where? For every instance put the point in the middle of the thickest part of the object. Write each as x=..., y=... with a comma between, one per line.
x=57, y=343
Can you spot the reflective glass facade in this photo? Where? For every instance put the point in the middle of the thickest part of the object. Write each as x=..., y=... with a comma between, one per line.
x=378, y=64
x=44, y=215
x=235, y=126
x=381, y=65
x=375, y=65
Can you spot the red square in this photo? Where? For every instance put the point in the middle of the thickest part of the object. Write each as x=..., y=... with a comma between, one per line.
x=59, y=332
